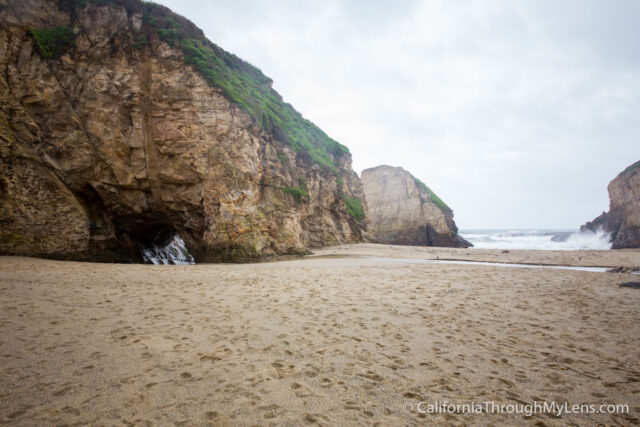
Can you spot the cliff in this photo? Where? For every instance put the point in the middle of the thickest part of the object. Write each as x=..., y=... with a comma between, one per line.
x=404, y=211
x=623, y=219
x=122, y=126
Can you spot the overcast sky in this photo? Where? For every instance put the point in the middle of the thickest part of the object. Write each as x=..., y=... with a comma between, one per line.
x=517, y=114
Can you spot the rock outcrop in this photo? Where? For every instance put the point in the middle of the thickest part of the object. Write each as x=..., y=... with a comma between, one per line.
x=404, y=211
x=122, y=126
x=623, y=219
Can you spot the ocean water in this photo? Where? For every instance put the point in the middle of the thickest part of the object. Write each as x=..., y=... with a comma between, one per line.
x=537, y=239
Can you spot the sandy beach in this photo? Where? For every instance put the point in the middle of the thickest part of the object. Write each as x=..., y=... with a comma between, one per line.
x=353, y=335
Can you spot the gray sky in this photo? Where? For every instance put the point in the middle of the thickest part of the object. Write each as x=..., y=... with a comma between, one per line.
x=517, y=114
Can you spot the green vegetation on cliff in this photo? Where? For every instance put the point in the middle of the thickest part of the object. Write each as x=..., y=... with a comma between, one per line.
x=246, y=85
x=434, y=198
x=354, y=208
x=240, y=81
x=53, y=42
x=299, y=193
x=630, y=168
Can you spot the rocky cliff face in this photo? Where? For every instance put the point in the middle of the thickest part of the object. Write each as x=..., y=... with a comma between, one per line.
x=120, y=126
x=404, y=211
x=623, y=218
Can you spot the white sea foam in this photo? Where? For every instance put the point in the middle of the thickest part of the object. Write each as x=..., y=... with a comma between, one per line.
x=175, y=252
x=537, y=239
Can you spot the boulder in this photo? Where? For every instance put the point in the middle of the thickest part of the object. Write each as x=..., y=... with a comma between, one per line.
x=404, y=211
x=622, y=220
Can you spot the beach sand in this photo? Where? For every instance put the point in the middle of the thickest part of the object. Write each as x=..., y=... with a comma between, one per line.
x=354, y=335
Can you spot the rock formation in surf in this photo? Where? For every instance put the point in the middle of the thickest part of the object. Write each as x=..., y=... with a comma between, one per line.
x=122, y=126
x=623, y=219
x=404, y=211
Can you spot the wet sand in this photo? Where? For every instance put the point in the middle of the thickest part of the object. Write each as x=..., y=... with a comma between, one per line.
x=338, y=338
x=584, y=258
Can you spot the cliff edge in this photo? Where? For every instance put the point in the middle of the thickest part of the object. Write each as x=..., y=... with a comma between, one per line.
x=623, y=219
x=122, y=127
x=404, y=211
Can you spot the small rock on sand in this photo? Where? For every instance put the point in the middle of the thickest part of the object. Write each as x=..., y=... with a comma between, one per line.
x=632, y=285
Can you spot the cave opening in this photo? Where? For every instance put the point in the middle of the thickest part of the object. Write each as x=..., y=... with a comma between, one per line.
x=154, y=238
x=145, y=229
x=140, y=237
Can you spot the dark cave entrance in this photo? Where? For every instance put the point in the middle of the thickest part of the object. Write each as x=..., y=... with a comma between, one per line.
x=145, y=237
x=153, y=238
x=145, y=229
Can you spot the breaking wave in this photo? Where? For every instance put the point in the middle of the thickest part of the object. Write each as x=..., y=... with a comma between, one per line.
x=175, y=252
x=538, y=239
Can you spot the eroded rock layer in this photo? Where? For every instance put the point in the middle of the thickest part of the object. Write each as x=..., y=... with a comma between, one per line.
x=404, y=211
x=111, y=139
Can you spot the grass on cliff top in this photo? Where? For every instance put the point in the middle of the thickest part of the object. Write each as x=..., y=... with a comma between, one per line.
x=240, y=81
x=634, y=166
x=70, y=7
x=246, y=85
x=434, y=198
x=53, y=42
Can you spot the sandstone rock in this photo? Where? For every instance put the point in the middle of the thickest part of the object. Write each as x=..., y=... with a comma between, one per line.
x=623, y=218
x=118, y=143
x=404, y=211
